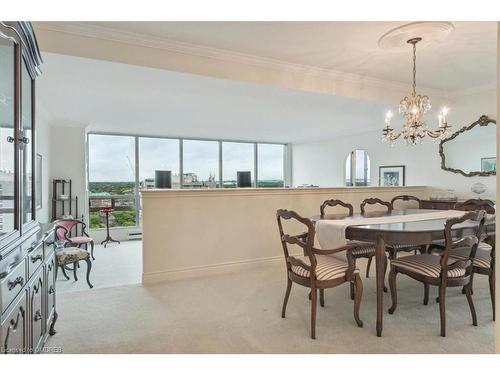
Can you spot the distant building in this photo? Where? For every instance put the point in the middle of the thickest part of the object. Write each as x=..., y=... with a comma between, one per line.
x=148, y=183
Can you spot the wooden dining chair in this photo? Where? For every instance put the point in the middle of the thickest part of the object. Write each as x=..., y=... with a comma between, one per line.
x=406, y=198
x=373, y=201
x=333, y=203
x=370, y=254
x=484, y=262
x=441, y=270
x=476, y=204
x=391, y=249
x=318, y=269
x=364, y=249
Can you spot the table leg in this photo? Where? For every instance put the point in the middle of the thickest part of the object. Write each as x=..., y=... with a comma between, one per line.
x=380, y=274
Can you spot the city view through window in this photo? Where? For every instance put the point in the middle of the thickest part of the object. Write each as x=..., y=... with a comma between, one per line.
x=115, y=179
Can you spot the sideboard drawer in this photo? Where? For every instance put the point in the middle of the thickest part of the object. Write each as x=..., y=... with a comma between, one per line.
x=35, y=259
x=12, y=284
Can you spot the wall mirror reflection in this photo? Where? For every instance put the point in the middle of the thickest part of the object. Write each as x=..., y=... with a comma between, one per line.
x=471, y=151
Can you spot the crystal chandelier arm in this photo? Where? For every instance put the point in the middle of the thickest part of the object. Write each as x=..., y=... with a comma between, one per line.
x=413, y=108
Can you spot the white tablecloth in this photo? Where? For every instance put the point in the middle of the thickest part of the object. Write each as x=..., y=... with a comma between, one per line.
x=331, y=233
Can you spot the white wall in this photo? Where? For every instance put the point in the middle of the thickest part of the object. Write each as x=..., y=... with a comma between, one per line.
x=200, y=232
x=323, y=163
x=68, y=145
x=43, y=147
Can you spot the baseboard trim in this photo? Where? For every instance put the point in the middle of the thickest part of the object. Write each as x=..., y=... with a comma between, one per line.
x=208, y=270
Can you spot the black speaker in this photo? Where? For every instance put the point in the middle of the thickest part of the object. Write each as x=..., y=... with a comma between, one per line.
x=163, y=179
x=244, y=179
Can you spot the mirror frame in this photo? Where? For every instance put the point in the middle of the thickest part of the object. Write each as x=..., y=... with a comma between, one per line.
x=483, y=121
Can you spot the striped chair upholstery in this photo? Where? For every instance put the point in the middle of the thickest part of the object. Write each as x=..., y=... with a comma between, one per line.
x=364, y=251
x=426, y=264
x=481, y=260
x=327, y=268
x=369, y=249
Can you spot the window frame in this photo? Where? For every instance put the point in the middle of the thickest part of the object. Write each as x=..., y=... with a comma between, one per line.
x=353, y=164
x=286, y=163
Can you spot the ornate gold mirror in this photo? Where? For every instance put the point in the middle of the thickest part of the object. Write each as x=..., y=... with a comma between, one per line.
x=471, y=151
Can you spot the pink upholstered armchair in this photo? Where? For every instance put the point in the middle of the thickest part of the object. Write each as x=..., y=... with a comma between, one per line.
x=63, y=229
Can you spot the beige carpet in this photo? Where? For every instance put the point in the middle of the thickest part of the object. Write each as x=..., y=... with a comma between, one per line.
x=240, y=313
x=114, y=265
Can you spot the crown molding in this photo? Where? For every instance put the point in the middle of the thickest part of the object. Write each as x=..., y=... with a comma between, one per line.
x=143, y=40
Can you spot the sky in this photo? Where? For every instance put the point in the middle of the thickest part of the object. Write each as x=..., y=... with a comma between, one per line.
x=111, y=158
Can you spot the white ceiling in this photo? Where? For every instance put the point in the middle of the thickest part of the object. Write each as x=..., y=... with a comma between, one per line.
x=122, y=98
x=466, y=59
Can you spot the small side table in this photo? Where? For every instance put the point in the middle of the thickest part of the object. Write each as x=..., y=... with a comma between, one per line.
x=107, y=211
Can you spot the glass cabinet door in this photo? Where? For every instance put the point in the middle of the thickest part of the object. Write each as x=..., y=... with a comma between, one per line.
x=7, y=145
x=27, y=146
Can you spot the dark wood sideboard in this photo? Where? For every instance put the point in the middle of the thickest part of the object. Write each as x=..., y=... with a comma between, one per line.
x=27, y=259
x=438, y=204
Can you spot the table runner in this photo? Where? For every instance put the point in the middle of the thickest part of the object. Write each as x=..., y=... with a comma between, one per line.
x=331, y=233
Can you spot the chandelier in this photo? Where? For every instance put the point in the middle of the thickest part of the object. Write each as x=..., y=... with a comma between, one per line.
x=413, y=108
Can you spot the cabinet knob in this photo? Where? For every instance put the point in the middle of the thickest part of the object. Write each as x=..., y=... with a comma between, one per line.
x=51, y=289
x=36, y=258
x=18, y=280
x=38, y=316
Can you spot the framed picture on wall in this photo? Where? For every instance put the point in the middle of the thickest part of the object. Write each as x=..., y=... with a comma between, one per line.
x=488, y=164
x=391, y=175
x=38, y=181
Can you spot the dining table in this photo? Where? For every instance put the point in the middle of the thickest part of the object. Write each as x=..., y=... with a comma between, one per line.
x=394, y=232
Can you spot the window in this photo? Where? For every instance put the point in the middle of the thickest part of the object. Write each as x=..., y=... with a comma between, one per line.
x=271, y=165
x=157, y=154
x=26, y=119
x=115, y=180
x=238, y=158
x=200, y=164
x=7, y=152
x=112, y=181
x=357, y=168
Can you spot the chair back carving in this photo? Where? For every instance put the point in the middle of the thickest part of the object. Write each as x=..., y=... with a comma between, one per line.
x=471, y=241
x=303, y=240
x=476, y=205
x=333, y=203
x=406, y=198
x=371, y=201
x=64, y=227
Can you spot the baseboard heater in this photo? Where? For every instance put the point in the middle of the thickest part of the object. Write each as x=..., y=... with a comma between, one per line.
x=135, y=236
